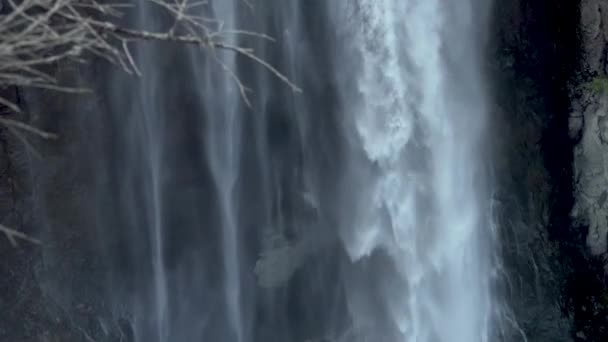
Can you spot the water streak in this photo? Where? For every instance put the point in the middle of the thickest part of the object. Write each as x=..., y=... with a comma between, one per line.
x=355, y=211
x=419, y=111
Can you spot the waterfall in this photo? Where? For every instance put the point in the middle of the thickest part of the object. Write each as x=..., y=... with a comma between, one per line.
x=419, y=112
x=354, y=211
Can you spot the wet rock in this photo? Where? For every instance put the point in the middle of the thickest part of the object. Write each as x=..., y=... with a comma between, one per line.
x=591, y=175
x=591, y=154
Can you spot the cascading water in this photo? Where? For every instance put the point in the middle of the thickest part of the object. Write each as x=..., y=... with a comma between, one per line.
x=419, y=111
x=354, y=211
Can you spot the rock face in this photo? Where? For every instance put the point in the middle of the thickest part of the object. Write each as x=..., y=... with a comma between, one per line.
x=552, y=67
x=532, y=276
x=591, y=171
x=582, y=237
x=589, y=124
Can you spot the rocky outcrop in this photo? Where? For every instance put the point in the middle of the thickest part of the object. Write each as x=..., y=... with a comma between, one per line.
x=594, y=34
x=591, y=170
x=575, y=154
x=556, y=288
x=589, y=125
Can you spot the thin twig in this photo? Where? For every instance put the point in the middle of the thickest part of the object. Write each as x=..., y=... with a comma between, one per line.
x=13, y=236
x=37, y=35
x=28, y=128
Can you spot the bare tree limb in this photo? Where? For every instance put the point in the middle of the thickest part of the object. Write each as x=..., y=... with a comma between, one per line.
x=27, y=128
x=36, y=34
x=13, y=236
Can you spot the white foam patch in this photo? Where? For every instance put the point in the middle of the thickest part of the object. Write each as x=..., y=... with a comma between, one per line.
x=406, y=96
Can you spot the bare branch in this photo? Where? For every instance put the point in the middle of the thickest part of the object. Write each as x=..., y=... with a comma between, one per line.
x=242, y=89
x=10, y=105
x=13, y=236
x=36, y=35
x=27, y=128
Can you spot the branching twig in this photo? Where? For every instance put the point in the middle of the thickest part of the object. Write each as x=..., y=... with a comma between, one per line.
x=13, y=236
x=37, y=34
x=27, y=128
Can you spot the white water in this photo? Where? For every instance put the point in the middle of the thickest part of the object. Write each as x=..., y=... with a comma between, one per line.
x=419, y=112
x=223, y=153
x=203, y=178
